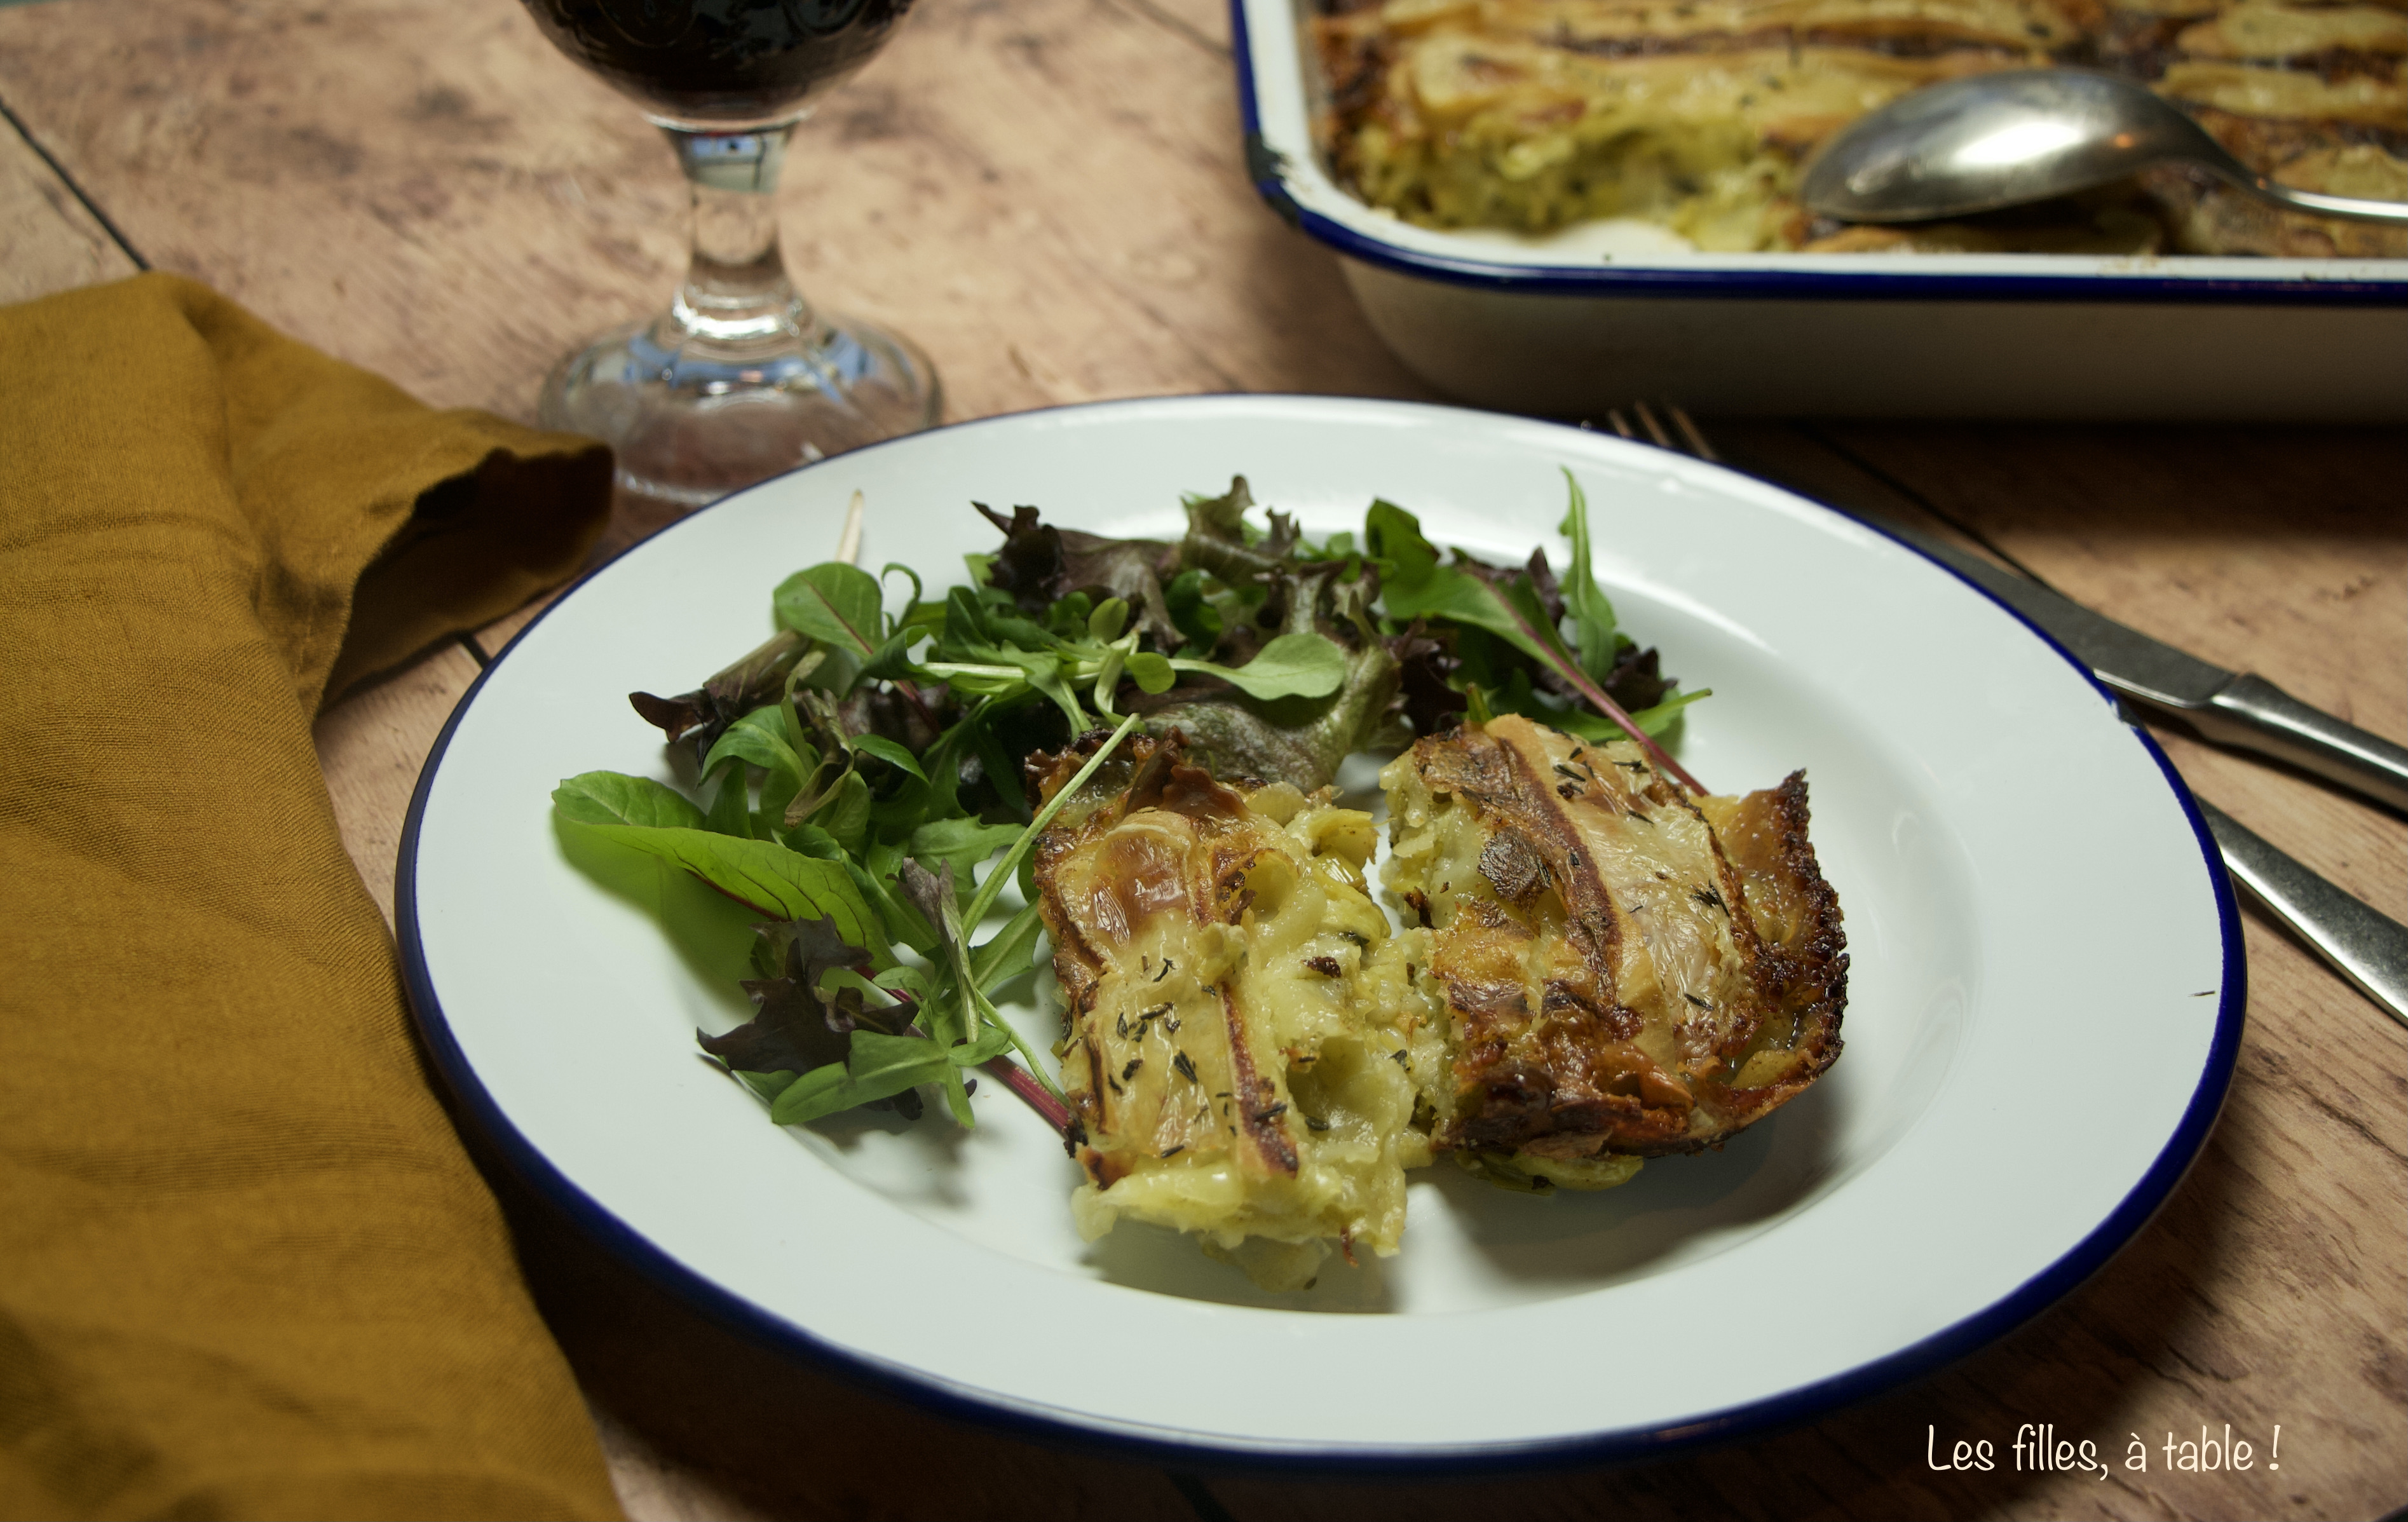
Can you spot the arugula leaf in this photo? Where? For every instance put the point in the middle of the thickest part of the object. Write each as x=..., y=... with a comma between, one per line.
x=835, y=603
x=962, y=844
x=761, y=874
x=877, y=1067
x=891, y=751
x=1012, y=950
x=1395, y=536
x=1591, y=615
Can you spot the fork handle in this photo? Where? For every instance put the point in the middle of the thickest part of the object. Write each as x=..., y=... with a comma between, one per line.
x=2362, y=943
x=2253, y=713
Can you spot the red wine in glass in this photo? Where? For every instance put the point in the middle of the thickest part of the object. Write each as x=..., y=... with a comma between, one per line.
x=740, y=378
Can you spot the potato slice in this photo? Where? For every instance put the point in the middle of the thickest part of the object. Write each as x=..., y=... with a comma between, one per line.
x=1241, y=1020
x=1627, y=969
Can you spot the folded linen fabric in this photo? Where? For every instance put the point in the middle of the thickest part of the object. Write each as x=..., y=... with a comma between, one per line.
x=246, y=1268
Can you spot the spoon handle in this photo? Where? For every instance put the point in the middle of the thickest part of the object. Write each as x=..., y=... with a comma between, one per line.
x=2356, y=207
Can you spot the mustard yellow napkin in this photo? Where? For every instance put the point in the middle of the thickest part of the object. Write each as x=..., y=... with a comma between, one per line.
x=245, y=1268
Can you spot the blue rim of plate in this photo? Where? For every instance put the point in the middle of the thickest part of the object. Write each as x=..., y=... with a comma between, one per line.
x=1267, y=167
x=1791, y=1408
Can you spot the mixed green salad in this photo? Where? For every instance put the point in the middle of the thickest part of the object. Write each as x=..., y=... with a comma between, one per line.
x=858, y=770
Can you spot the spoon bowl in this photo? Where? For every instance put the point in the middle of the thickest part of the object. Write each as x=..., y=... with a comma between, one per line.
x=1995, y=140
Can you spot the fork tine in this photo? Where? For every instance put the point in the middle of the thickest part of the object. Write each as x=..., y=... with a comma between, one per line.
x=1689, y=430
x=1621, y=423
x=1654, y=429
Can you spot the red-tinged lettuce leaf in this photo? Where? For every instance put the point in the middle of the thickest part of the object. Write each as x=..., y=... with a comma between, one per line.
x=905, y=718
x=1636, y=679
x=1542, y=585
x=1426, y=665
x=701, y=716
x=796, y=1031
x=1028, y=567
x=643, y=815
x=1040, y=565
x=1218, y=542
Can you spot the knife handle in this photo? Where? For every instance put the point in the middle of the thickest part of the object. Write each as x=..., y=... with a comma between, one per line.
x=2254, y=714
x=2362, y=943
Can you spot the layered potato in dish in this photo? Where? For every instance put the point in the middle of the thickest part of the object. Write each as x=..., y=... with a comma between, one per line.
x=1696, y=115
x=1595, y=967
x=1243, y=1028
x=1628, y=970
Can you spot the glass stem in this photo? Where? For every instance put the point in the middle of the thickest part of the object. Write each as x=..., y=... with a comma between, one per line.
x=735, y=296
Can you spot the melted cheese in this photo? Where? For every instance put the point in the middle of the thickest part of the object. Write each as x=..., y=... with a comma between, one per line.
x=1241, y=1027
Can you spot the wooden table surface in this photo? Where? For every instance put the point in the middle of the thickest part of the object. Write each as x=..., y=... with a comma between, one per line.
x=1049, y=195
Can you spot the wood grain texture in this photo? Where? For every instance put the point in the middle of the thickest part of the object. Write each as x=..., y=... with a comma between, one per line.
x=1048, y=195
x=48, y=240
x=372, y=746
x=475, y=204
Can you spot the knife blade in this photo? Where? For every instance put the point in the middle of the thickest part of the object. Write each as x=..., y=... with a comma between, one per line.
x=2231, y=709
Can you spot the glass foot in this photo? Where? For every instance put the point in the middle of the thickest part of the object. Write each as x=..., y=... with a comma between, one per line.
x=691, y=421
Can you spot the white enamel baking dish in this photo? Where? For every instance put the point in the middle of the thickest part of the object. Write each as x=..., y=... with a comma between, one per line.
x=1602, y=316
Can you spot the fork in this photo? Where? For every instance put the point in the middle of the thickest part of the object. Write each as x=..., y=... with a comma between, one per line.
x=2359, y=942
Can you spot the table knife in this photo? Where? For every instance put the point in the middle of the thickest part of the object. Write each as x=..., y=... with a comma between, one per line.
x=2236, y=710
x=2362, y=943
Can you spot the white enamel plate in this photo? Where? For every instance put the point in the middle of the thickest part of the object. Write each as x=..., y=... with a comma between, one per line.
x=2044, y=1002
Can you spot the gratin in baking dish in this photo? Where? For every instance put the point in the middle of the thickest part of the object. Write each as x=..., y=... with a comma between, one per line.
x=1602, y=313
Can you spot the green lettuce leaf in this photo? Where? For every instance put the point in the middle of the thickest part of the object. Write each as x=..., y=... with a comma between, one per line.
x=643, y=815
x=1291, y=666
x=835, y=603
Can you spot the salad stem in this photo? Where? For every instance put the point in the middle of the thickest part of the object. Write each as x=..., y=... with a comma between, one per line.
x=1018, y=1079
x=987, y=1011
x=1010, y=866
x=1596, y=695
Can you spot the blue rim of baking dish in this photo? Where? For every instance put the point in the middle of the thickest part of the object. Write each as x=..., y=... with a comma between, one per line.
x=1267, y=167
x=476, y=1106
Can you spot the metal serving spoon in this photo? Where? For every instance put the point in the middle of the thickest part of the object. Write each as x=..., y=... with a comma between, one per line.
x=1998, y=140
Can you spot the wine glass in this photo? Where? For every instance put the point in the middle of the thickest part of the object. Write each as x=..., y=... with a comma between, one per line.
x=740, y=378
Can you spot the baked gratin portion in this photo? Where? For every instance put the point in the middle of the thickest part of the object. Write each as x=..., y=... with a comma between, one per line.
x=1625, y=968
x=1695, y=114
x=1240, y=1022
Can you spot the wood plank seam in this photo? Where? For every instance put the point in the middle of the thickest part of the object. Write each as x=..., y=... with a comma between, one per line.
x=115, y=233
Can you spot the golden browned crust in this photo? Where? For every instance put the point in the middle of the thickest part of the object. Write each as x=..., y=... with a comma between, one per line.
x=1636, y=970
x=1201, y=878
x=1534, y=113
